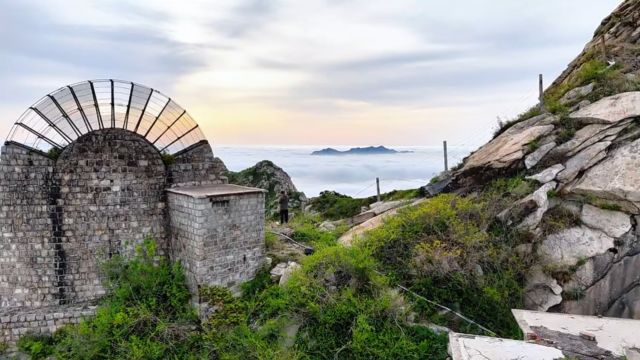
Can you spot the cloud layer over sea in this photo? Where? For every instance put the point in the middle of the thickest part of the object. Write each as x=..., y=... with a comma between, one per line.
x=353, y=175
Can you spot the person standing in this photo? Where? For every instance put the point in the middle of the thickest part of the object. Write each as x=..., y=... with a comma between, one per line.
x=283, y=200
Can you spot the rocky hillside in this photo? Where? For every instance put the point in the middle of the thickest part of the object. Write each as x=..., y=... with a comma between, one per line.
x=267, y=175
x=582, y=148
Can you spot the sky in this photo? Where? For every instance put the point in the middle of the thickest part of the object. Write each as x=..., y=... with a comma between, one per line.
x=304, y=72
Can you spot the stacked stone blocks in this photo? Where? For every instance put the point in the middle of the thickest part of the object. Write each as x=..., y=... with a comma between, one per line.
x=60, y=219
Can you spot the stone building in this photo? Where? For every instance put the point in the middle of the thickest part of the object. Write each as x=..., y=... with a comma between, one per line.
x=90, y=171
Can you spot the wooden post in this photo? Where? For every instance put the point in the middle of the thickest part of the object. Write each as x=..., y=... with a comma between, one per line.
x=603, y=45
x=378, y=188
x=540, y=90
x=446, y=160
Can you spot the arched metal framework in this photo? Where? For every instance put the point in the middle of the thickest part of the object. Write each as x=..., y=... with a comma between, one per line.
x=61, y=117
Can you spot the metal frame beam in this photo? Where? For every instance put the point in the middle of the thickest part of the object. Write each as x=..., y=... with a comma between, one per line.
x=56, y=128
x=64, y=114
x=126, y=115
x=157, y=117
x=84, y=116
x=169, y=127
x=40, y=136
x=180, y=137
x=95, y=103
x=143, y=111
x=113, y=107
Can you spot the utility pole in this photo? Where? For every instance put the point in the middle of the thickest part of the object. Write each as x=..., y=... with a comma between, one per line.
x=378, y=188
x=540, y=90
x=446, y=161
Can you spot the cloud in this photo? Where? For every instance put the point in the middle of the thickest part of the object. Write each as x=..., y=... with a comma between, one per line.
x=246, y=70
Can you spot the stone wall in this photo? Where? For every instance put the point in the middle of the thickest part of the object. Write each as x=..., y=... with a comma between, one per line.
x=27, y=269
x=219, y=239
x=103, y=195
x=109, y=197
x=41, y=320
x=196, y=165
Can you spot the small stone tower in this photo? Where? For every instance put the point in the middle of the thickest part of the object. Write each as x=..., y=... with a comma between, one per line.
x=90, y=171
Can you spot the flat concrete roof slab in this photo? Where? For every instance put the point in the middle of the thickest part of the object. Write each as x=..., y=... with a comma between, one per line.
x=612, y=334
x=207, y=191
x=474, y=347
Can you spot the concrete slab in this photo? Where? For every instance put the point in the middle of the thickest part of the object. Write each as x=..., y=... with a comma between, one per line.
x=206, y=191
x=610, y=334
x=474, y=347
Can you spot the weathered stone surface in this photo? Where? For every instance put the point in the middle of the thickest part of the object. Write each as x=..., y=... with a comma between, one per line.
x=616, y=178
x=475, y=347
x=613, y=223
x=568, y=246
x=615, y=294
x=583, y=160
x=612, y=108
x=579, y=138
x=542, y=201
x=288, y=271
x=541, y=291
x=576, y=93
x=510, y=145
x=611, y=335
x=547, y=174
x=530, y=208
x=532, y=159
x=327, y=226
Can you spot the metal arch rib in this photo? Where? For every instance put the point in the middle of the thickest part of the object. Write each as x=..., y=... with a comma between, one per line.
x=126, y=115
x=95, y=103
x=57, y=129
x=169, y=127
x=143, y=111
x=180, y=137
x=84, y=116
x=113, y=107
x=157, y=117
x=40, y=136
x=64, y=114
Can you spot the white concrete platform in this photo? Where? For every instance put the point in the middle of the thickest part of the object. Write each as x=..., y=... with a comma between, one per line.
x=475, y=347
x=612, y=334
x=206, y=191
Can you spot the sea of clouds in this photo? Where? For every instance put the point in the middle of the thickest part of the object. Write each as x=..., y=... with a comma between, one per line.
x=353, y=175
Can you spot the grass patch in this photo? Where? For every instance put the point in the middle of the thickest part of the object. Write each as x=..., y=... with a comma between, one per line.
x=557, y=219
x=437, y=247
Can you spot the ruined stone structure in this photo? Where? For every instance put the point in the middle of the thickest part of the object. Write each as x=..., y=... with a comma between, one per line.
x=92, y=170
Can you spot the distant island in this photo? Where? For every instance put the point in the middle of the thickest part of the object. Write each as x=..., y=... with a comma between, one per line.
x=370, y=150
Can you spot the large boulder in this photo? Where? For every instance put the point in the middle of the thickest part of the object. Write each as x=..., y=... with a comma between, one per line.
x=611, y=109
x=615, y=294
x=616, y=178
x=511, y=145
x=547, y=174
x=583, y=160
x=613, y=223
x=541, y=291
x=569, y=246
x=268, y=176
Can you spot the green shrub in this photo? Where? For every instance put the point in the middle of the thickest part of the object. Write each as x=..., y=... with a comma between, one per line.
x=36, y=346
x=334, y=206
x=437, y=247
x=168, y=159
x=145, y=316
